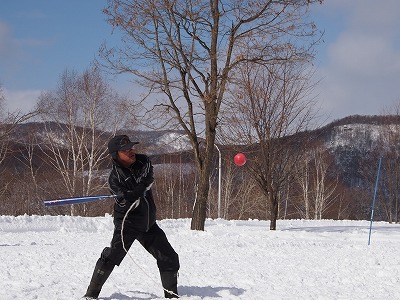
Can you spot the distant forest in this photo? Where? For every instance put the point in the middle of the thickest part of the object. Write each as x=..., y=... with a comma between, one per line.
x=329, y=183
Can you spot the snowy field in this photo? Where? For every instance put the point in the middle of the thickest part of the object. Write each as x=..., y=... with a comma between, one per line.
x=52, y=258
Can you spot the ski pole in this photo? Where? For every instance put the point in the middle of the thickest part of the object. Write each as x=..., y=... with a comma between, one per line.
x=373, y=202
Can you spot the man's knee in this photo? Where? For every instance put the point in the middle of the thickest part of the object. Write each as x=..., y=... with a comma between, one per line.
x=110, y=257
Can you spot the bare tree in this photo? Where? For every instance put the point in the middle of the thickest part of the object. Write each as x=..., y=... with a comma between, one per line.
x=173, y=187
x=324, y=188
x=29, y=180
x=317, y=182
x=8, y=123
x=185, y=51
x=390, y=175
x=4, y=129
x=240, y=194
x=82, y=113
x=303, y=181
x=269, y=106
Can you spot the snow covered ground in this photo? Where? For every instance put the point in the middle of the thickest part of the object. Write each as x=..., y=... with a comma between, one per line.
x=52, y=258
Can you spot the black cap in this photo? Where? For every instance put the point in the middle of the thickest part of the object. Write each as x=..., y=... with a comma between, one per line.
x=120, y=143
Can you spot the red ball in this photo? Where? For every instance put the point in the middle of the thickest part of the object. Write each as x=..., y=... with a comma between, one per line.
x=240, y=159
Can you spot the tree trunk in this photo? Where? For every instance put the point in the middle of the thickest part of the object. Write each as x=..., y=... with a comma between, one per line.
x=200, y=207
x=274, y=212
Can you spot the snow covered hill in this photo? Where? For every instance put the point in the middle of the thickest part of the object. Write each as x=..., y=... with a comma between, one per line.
x=353, y=131
x=44, y=257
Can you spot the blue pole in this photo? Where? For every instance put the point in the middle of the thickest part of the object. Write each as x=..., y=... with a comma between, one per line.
x=76, y=200
x=373, y=202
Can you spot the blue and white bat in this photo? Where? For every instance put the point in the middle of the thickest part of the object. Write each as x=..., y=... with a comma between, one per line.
x=76, y=200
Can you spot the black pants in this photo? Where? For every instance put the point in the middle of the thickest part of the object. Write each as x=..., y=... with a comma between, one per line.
x=154, y=241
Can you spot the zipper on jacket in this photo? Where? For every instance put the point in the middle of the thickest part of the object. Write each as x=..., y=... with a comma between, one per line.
x=148, y=213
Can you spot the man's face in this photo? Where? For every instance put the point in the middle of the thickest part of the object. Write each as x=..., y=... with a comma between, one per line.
x=127, y=157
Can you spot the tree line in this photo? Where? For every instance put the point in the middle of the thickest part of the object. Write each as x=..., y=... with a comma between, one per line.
x=55, y=159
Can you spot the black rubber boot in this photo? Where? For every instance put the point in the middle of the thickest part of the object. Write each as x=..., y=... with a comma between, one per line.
x=169, y=282
x=101, y=272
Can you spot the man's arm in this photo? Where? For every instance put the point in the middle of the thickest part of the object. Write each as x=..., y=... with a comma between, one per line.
x=125, y=194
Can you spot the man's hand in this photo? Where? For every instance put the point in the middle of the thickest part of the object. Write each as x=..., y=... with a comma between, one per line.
x=147, y=181
x=136, y=193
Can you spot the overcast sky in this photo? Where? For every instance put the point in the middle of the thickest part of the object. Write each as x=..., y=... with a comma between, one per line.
x=358, y=62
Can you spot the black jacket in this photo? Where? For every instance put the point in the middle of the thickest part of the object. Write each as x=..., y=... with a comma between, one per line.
x=132, y=185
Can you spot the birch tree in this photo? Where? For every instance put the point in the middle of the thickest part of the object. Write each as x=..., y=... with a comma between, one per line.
x=8, y=124
x=315, y=176
x=81, y=115
x=324, y=188
x=303, y=181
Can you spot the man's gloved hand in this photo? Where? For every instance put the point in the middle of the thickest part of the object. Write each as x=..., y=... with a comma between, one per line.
x=134, y=194
x=147, y=182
